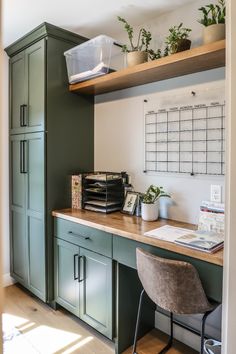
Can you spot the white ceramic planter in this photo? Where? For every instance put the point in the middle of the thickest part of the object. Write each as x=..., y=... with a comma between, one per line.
x=137, y=57
x=149, y=212
x=213, y=33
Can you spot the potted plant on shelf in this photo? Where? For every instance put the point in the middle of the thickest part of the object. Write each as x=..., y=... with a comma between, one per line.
x=149, y=202
x=213, y=21
x=178, y=39
x=136, y=54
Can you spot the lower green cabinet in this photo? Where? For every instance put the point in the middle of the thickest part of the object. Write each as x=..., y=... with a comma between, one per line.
x=83, y=284
x=96, y=291
x=66, y=275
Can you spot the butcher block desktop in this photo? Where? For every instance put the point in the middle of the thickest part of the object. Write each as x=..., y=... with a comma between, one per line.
x=133, y=228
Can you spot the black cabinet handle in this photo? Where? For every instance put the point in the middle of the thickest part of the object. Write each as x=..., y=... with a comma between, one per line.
x=81, y=236
x=21, y=157
x=23, y=115
x=76, y=277
x=24, y=155
x=83, y=268
x=25, y=111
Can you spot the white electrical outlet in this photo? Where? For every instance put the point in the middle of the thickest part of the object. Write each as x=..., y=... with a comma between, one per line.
x=216, y=193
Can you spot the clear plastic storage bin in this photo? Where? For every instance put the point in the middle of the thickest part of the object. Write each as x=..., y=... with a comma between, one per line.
x=96, y=57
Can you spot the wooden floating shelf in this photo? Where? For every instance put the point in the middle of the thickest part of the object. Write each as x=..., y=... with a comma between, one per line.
x=191, y=61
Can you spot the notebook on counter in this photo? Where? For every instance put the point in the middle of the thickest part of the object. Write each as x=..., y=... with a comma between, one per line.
x=200, y=240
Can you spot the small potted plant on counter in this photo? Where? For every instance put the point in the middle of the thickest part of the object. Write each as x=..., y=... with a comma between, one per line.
x=149, y=202
x=177, y=40
x=136, y=53
x=213, y=21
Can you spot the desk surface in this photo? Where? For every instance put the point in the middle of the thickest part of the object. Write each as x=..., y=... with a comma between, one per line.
x=133, y=228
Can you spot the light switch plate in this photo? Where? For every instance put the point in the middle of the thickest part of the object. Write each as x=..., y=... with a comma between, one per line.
x=216, y=193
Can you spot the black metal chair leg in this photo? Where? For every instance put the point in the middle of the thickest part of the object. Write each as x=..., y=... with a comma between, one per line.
x=138, y=322
x=170, y=341
x=206, y=314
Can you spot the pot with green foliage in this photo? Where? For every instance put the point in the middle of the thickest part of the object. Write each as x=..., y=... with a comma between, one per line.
x=213, y=21
x=178, y=39
x=136, y=53
x=149, y=202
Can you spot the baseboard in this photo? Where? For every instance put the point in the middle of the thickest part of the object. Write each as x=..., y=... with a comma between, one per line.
x=162, y=323
x=7, y=280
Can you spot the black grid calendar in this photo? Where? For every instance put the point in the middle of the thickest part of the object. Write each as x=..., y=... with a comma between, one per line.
x=186, y=139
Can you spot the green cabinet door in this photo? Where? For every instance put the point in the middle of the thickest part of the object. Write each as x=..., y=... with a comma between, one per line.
x=66, y=258
x=17, y=92
x=17, y=208
x=34, y=151
x=27, y=90
x=35, y=87
x=96, y=291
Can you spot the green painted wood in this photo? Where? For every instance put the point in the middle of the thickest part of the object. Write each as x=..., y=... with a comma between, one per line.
x=42, y=31
x=70, y=134
x=128, y=289
x=17, y=91
x=35, y=87
x=124, y=251
x=66, y=286
x=98, y=241
x=35, y=212
x=96, y=291
x=18, y=238
x=19, y=264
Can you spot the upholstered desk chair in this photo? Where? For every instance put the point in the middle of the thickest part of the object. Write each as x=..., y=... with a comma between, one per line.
x=174, y=286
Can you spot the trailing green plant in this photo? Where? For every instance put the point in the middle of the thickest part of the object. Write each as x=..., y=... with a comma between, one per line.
x=152, y=194
x=143, y=41
x=213, y=13
x=177, y=34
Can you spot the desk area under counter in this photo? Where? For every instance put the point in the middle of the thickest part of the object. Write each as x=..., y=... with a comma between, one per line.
x=107, y=243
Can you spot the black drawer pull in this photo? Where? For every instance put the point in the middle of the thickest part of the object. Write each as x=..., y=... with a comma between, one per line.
x=76, y=276
x=81, y=236
x=83, y=268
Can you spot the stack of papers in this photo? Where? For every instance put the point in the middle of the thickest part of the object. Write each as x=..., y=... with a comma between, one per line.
x=201, y=240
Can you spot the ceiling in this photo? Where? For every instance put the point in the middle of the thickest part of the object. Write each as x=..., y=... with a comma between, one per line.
x=86, y=17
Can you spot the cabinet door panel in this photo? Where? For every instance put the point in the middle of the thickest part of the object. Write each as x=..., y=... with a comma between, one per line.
x=34, y=157
x=36, y=246
x=35, y=77
x=17, y=91
x=96, y=291
x=17, y=177
x=66, y=271
x=18, y=246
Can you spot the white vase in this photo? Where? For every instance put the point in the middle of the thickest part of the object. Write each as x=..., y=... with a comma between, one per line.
x=213, y=33
x=136, y=57
x=149, y=212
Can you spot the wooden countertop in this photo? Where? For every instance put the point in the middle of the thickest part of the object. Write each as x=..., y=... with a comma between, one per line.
x=133, y=228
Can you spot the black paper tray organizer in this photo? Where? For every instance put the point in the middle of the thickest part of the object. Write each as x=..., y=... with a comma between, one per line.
x=103, y=191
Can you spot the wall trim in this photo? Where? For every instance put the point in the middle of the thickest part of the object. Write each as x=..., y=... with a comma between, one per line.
x=7, y=280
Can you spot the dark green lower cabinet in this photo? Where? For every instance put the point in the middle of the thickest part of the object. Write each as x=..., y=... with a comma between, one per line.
x=96, y=291
x=83, y=284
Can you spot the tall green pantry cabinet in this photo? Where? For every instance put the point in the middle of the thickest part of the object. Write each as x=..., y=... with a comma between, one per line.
x=51, y=137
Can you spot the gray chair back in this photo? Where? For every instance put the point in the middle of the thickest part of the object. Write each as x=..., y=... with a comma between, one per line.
x=173, y=285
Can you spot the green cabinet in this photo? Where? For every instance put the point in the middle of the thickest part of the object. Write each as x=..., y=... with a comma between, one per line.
x=47, y=125
x=83, y=284
x=27, y=72
x=96, y=291
x=27, y=210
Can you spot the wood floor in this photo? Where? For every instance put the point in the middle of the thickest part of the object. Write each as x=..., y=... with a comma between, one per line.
x=45, y=331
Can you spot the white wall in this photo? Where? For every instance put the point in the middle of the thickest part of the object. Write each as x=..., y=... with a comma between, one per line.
x=119, y=126
x=4, y=173
x=229, y=299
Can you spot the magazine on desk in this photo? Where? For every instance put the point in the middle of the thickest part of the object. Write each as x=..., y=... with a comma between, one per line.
x=200, y=240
